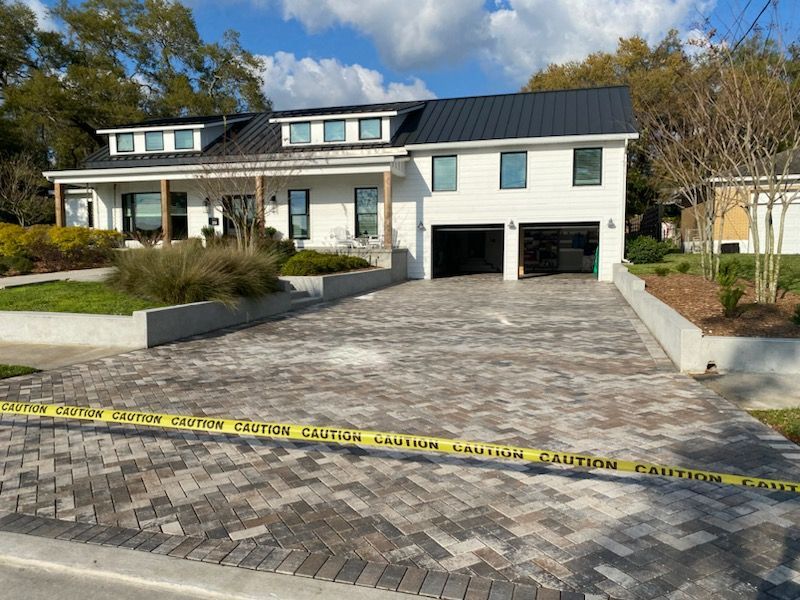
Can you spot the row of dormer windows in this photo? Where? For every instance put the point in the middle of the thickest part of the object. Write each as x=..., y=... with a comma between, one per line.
x=334, y=130
x=154, y=141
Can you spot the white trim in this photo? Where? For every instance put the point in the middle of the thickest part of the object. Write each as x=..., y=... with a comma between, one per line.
x=135, y=128
x=529, y=141
x=335, y=116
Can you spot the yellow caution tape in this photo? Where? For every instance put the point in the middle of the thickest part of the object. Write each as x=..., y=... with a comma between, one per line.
x=382, y=439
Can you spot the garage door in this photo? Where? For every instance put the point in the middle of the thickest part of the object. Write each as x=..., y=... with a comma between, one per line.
x=467, y=249
x=558, y=247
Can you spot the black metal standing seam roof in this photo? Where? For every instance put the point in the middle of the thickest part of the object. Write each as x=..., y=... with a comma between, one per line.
x=593, y=111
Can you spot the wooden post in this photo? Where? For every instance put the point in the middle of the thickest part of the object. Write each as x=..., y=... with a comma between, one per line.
x=61, y=214
x=387, y=210
x=260, y=216
x=166, y=222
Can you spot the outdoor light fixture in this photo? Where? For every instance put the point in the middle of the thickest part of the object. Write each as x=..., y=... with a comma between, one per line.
x=421, y=226
x=511, y=224
x=273, y=203
x=611, y=224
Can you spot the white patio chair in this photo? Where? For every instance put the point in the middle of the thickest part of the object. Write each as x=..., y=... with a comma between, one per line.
x=342, y=238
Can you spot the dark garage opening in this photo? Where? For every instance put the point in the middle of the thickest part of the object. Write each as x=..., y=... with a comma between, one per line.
x=558, y=247
x=467, y=249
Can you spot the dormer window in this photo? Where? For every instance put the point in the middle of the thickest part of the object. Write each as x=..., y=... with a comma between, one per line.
x=153, y=141
x=334, y=131
x=184, y=139
x=369, y=129
x=124, y=142
x=300, y=133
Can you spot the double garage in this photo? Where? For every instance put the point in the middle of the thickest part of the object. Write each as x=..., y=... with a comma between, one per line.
x=544, y=248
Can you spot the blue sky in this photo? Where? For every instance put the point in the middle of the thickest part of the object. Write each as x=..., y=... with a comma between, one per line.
x=328, y=52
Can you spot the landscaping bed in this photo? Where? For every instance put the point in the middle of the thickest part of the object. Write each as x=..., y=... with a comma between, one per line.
x=15, y=370
x=786, y=421
x=74, y=297
x=698, y=300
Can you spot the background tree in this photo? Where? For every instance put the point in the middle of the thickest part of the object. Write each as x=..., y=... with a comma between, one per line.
x=113, y=61
x=21, y=185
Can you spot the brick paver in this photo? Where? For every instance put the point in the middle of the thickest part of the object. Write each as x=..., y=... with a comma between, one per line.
x=544, y=363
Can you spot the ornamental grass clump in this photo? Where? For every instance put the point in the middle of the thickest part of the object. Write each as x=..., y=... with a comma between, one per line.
x=730, y=291
x=187, y=273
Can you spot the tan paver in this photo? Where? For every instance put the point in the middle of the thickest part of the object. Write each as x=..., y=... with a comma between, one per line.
x=554, y=364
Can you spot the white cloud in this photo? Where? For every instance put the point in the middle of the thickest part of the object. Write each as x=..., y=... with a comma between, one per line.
x=529, y=34
x=43, y=16
x=292, y=82
x=407, y=33
x=515, y=37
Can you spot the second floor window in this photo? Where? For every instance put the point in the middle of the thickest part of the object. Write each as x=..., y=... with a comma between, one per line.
x=154, y=140
x=513, y=170
x=369, y=129
x=587, y=166
x=444, y=174
x=300, y=133
x=334, y=131
x=184, y=139
x=124, y=142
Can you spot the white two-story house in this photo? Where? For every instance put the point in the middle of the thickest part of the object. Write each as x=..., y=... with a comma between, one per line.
x=518, y=184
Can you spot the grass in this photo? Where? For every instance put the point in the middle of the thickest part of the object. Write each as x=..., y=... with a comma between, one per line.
x=786, y=421
x=72, y=296
x=790, y=267
x=14, y=370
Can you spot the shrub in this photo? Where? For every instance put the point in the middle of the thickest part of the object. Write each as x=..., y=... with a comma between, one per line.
x=645, y=249
x=283, y=249
x=662, y=271
x=148, y=239
x=11, y=239
x=796, y=315
x=683, y=266
x=18, y=264
x=730, y=293
x=187, y=273
x=311, y=262
x=56, y=248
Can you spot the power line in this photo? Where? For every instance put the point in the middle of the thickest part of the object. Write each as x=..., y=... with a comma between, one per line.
x=753, y=24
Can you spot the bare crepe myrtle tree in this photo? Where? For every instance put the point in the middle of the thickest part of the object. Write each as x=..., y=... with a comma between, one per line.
x=20, y=185
x=756, y=142
x=234, y=187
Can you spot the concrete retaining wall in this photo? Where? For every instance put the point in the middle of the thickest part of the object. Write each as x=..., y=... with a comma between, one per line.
x=339, y=285
x=691, y=351
x=143, y=329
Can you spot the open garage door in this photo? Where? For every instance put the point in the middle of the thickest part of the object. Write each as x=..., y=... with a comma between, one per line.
x=467, y=249
x=558, y=247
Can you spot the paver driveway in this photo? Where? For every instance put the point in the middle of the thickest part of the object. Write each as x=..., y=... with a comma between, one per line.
x=547, y=363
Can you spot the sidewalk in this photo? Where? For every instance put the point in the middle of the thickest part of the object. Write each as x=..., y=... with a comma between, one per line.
x=34, y=568
x=47, y=356
x=755, y=391
x=77, y=275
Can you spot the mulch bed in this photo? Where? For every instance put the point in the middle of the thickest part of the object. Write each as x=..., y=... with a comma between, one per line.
x=697, y=300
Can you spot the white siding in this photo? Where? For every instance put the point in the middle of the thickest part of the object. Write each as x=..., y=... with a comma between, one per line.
x=549, y=197
x=791, y=227
x=332, y=205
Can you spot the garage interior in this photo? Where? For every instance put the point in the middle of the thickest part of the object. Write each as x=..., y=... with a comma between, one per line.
x=558, y=248
x=467, y=249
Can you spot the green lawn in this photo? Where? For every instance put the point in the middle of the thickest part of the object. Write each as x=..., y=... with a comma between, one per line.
x=14, y=370
x=785, y=421
x=72, y=296
x=790, y=267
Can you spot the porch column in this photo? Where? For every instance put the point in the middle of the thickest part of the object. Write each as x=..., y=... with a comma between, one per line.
x=260, y=203
x=387, y=210
x=166, y=223
x=61, y=215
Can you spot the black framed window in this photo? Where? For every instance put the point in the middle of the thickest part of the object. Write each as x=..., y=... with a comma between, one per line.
x=238, y=208
x=445, y=174
x=513, y=170
x=299, y=207
x=154, y=140
x=587, y=166
x=184, y=139
x=300, y=133
x=369, y=129
x=124, y=142
x=141, y=211
x=334, y=131
x=366, y=211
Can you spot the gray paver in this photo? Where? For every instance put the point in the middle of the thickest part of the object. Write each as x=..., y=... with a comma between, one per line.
x=545, y=363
